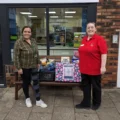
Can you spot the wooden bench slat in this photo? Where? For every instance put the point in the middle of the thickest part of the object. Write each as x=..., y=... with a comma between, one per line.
x=53, y=83
x=59, y=84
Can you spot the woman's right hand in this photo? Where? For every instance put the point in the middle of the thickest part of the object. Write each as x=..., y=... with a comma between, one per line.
x=76, y=54
x=20, y=71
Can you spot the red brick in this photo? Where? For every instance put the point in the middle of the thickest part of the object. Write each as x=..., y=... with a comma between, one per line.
x=109, y=26
x=99, y=7
x=118, y=3
x=116, y=27
x=106, y=13
x=111, y=10
x=115, y=0
x=99, y=20
x=106, y=20
x=117, y=23
x=117, y=10
x=99, y=13
x=110, y=16
x=99, y=27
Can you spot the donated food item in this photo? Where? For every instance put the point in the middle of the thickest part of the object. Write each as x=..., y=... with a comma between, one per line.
x=50, y=66
x=43, y=61
x=65, y=59
x=75, y=59
x=76, y=54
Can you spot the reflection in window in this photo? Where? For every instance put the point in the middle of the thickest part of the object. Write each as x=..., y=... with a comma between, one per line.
x=34, y=17
x=66, y=28
x=67, y=25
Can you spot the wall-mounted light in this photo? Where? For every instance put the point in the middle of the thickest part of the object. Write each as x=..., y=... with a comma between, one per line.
x=25, y=13
x=68, y=16
x=70, y=12
x=33, y=16
x=53, y=16
x=52, y=12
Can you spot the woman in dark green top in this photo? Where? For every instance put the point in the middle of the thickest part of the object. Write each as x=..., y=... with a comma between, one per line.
x=26, y=60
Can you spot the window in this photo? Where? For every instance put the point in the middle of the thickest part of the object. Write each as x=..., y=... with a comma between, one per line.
x=34, y=17
x=66, y=27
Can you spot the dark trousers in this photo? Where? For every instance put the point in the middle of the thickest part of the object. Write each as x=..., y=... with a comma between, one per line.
x=28, y=76
x=91, y=82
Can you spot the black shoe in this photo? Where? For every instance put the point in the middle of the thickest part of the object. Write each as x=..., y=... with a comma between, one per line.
x=80, y=106
x=95, y=107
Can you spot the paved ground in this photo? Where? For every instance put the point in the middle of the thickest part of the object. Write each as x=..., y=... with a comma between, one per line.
x=61, y=103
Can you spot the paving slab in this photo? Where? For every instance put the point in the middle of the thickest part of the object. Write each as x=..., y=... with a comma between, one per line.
x=77, y=93
x=7, y=96
x=40, y=116
x=20, y=102
x=105, y=94
x=107, y=103
x=1, y=89
x=2, y=116
x=118, y=90
x=115, y=96
x=63, y=116
x=76, y=88
x=8, y=100
x=48, y=99
x=19, y=113
x=48, y=91
x=38, y=109
x=1, y=94
x=64, y=101
x=64, y=109
x=5, y=107
x=84, y=116
x=108, y=114
x=4, y=90
x=63, y=113
x=68, y=93
x=117, y=105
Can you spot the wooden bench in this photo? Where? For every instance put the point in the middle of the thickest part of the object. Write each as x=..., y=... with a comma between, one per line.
x=18, y=80
x=10, y=75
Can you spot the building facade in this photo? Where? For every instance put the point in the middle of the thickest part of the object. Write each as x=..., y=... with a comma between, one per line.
x=108, y=25
x=66, y=22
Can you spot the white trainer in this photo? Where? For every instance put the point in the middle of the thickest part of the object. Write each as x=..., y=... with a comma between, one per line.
x=41, y=104
x=28, y=102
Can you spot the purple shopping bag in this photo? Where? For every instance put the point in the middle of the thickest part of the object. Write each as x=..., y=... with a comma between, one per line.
x=67, y=72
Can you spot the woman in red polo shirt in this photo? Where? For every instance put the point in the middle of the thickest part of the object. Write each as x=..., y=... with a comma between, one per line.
x=93, y=55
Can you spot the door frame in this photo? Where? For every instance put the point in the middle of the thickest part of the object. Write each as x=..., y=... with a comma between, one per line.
x=118, y=70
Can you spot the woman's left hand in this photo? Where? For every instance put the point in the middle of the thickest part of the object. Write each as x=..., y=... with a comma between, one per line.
x=103, y=70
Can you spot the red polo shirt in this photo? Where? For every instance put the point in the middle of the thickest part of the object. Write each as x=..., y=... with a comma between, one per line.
x=90, y=52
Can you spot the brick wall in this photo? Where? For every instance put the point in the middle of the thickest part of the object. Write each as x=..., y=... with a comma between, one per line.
x=108, y=22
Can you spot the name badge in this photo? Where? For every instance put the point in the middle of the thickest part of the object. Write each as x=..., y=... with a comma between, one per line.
x=82, y=45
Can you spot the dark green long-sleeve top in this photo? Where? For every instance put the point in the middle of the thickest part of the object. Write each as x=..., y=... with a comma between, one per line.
x=26, y=55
